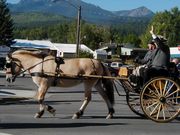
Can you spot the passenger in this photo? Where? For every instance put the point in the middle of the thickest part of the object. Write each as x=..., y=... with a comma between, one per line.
x=148, y=57
x=160, y=58
x=137, y=76
x=174, y=67
x=175, y=61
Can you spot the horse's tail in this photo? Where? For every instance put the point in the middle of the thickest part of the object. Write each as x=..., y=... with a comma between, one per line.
x=108, y=84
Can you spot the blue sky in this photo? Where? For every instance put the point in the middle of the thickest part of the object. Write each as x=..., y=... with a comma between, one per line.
x=115, y=5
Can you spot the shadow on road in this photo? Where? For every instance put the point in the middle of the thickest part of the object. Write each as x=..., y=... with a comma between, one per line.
x=56, y=125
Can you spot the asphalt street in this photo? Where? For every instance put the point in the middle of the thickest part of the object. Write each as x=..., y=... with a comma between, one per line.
x=18, y=106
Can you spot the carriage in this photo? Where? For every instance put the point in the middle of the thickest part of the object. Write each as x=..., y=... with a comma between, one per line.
x=157, y=100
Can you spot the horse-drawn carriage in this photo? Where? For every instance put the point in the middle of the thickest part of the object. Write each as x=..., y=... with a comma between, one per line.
x=157, y=100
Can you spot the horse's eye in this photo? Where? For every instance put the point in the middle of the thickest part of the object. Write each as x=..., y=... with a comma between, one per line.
x=8, y=65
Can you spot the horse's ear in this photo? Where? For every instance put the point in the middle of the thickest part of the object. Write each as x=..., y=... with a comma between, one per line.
x=9, y=55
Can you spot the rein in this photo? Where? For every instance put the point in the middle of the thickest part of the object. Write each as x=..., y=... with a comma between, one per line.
x=40, y=74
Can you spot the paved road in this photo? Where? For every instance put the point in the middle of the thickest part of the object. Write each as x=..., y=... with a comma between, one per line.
x=16, y=116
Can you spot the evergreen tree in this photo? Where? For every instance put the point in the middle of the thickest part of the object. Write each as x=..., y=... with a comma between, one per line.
x=6, y=25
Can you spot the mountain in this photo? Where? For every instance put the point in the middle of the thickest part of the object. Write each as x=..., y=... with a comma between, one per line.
x=139, y=12
x=89, y=12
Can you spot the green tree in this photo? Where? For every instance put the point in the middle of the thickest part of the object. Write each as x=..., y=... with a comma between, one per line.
x=133, y=39
x=167, y=24
x=6, y=25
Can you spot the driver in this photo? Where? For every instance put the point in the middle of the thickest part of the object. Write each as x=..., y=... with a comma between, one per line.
x=160, y=59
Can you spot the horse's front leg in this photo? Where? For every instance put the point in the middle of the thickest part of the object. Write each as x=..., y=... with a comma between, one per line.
x=44, y=107
x=41, y=94
x=41, y=109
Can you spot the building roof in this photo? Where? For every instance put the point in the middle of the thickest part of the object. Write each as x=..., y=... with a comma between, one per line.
x=46, y=44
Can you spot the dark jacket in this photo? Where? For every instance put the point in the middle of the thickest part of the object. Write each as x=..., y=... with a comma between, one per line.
x=147, y=58
x=161, y=55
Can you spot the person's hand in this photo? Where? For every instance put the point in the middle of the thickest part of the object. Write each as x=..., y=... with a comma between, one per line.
x=152, y=30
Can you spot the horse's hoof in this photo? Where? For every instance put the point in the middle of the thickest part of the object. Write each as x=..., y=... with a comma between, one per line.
x=109, y=116
x=39, y=114
x=75, y=116
x=36, y=116
x=53, y=112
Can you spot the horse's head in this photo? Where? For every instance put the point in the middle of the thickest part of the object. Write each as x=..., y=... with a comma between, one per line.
x=13, y=68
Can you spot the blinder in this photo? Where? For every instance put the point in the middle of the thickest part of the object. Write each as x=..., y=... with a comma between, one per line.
x=8, y=65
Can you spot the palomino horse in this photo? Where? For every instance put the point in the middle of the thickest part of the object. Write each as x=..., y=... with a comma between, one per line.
x=43, y=70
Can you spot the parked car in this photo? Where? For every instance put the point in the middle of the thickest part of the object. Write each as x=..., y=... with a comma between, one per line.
x=116, y=65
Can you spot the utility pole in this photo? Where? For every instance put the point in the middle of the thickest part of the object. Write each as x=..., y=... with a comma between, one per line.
x=78, y=31
x=78, y=24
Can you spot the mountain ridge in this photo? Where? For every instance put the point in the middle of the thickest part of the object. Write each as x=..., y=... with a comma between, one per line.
x=89, y=12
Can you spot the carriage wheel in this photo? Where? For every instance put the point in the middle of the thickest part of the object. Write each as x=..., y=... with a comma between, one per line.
x=133, y=101
x=160, y=99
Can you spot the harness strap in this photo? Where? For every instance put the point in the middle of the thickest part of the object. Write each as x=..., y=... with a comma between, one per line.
x=94, y=67
x=40, y=74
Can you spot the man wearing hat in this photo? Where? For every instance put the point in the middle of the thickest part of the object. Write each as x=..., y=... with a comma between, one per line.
x=138, y=73
x=160, y=59
x=149, y=55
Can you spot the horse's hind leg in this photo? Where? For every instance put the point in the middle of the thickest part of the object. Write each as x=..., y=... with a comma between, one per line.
x=78, y=114
x=101, y=91
x=88, y=87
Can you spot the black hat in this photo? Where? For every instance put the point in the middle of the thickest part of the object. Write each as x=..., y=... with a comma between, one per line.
x=162, y=38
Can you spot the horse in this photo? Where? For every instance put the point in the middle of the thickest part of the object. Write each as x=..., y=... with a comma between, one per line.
x=43, y=70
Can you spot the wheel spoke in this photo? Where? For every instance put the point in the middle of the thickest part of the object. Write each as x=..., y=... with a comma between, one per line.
x=155, y=108
x=169, y=89
x=163, y=112
x=155, y=94
x=172, y=93
x=165, y=87
x=172, y=107
x=150, y=96
x=158, y=112
x=174, y=97
x=149, y=106
x=160, y=86
x=167, y=110
x=156, y=89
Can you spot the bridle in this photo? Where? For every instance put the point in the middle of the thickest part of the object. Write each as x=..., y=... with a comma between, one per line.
x=9, y=65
